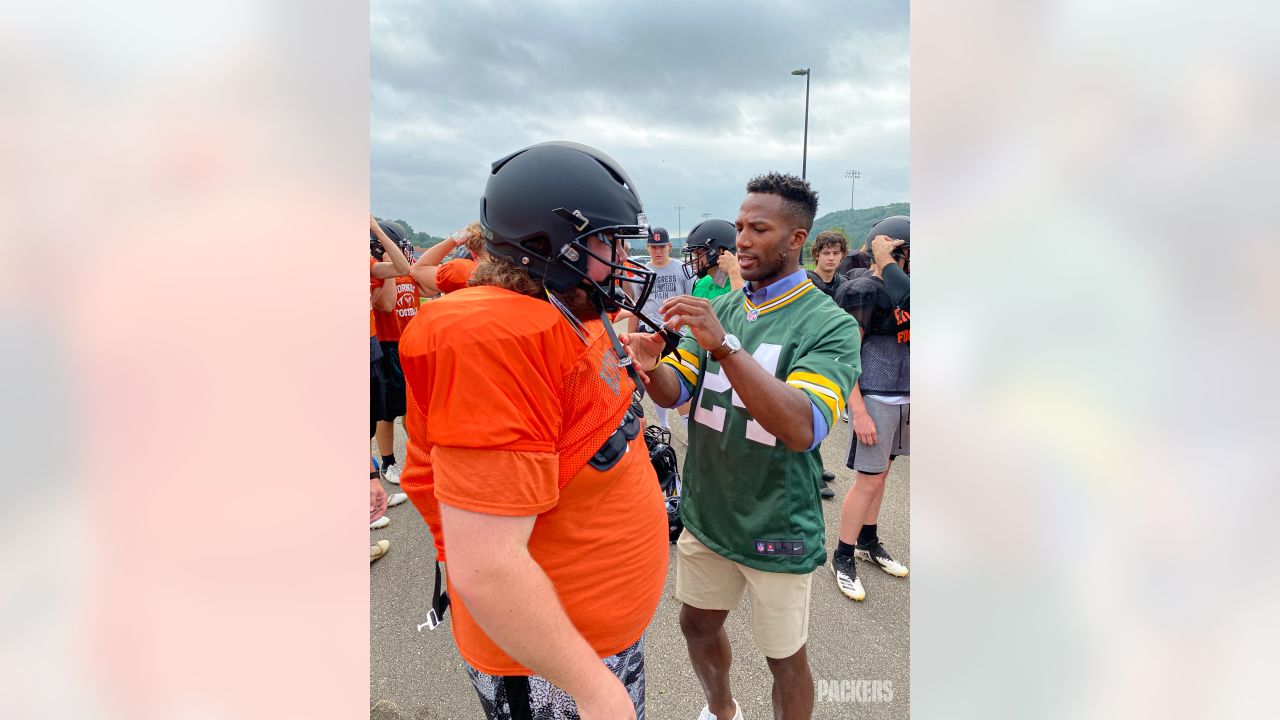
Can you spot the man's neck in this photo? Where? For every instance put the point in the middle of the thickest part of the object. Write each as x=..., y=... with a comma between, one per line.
x=756, y=285
x=653, y=262
x=826, y=275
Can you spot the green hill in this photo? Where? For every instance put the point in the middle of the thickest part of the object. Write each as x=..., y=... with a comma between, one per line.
x=854, y=223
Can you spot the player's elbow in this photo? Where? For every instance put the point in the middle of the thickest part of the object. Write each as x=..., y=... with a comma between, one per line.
x=799, y=440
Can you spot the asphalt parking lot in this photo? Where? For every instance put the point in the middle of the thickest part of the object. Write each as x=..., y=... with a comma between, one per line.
x=859, y=652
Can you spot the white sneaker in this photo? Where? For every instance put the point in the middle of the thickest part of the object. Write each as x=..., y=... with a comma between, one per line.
x=392, y=474
x=378, y=549
x=847, y=578
x=380, y=523
x=878, y=555
x=395, y=499
x=706, y=713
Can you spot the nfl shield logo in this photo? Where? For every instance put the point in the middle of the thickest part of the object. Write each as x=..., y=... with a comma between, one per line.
x=752, y=314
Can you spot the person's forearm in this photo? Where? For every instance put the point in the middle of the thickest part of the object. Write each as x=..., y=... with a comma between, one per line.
x=663, y=386
x=897, y=284
x=857, y=408
x=735, y=282
x=535, y=630
x=782, y=410
x=434, y=255
x=393, y=253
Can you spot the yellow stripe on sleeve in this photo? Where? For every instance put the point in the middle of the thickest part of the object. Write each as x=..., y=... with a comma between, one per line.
x=820, y=385
x=689, y=376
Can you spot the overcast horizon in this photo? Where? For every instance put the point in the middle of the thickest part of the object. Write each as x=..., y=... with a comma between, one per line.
x=692, y=100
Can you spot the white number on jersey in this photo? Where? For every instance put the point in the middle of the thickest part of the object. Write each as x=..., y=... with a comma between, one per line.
x=713, y=417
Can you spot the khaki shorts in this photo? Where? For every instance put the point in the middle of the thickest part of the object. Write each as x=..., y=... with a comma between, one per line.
x=779, y=601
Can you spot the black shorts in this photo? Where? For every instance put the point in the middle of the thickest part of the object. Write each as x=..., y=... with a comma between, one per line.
x=393, y=404
x=377, y=402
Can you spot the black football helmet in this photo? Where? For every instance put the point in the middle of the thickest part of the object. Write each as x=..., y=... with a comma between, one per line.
x=397, y=235
x=897, y=227
x=704, y=244
x=541, y=205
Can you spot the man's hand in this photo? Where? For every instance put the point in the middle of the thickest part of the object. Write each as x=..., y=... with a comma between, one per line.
x=728, y=262
x=373, y=224
x=696, y=313
x=882, y=247
x=645, y=350
x=377, y=500
x=608, y=701
x=863, y=426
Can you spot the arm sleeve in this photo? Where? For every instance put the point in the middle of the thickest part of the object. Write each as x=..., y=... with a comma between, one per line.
x=454, y=274
x=828, y=371
x=898, y=284
x=494, y=421
x=687, y=361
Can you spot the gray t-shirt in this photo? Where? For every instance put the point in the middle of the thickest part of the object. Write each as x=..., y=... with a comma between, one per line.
x=670, y=282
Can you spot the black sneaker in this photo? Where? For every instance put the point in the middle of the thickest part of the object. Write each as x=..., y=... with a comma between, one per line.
x=826, y=492
x=878, y=555
x=828, y=476
x=847, y=577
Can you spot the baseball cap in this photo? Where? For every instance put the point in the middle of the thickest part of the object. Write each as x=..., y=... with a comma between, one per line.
x=658, y=236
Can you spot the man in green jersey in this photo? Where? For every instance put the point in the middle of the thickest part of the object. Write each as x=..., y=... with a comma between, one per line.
x=768, y=370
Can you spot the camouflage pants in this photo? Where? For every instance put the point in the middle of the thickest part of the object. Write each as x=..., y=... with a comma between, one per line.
x=535, y=698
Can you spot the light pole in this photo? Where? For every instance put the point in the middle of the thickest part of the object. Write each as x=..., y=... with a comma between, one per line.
x=804, y=157
x=853, y=175
x=679, y=228
x=706, y=215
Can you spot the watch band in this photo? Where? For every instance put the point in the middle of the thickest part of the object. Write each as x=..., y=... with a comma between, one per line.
x=723, y=351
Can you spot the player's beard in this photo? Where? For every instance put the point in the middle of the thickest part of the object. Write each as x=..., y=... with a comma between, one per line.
x=578, y=302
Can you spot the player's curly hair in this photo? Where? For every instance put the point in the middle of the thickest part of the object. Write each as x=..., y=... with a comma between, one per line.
x=503, y=273
x=799, y=200
x=475, y=238
x=826, y=239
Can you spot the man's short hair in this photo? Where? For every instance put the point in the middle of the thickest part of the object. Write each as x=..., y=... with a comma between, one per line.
x=829, y=238
x=799, y=201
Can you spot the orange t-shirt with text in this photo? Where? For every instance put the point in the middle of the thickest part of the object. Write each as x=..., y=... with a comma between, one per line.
x=391, y=325
x=506, y=405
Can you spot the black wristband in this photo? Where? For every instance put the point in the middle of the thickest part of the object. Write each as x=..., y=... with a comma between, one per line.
x=373, y=474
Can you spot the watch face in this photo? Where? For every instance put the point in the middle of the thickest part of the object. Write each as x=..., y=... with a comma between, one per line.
x=732, y=342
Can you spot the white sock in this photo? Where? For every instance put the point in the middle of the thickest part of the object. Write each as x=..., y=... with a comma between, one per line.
x=660, y=413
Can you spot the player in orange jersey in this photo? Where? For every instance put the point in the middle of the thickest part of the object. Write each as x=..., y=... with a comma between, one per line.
x=524, y=428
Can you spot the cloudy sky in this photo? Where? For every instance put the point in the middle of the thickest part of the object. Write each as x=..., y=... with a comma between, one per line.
x=693, y=99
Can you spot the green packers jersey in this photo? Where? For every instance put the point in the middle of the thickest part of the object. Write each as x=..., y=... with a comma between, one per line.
x=746, y=495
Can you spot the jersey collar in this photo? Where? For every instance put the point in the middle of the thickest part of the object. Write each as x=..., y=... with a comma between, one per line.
x=774, y=291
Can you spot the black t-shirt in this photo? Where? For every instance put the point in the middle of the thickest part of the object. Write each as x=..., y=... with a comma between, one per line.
x=852, y=262
x=865, y=298
x=827, y=287
x=886, y=349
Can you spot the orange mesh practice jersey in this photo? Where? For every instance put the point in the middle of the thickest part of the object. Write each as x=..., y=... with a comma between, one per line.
x=454, y=274
x=373, y=285
x=505, y=407
x=392, y=324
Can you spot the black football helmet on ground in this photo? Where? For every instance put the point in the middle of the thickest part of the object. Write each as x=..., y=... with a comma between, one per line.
x=541, y=205
x=704, y=244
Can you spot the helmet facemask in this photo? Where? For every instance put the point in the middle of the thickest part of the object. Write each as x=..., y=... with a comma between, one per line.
x=695, y=266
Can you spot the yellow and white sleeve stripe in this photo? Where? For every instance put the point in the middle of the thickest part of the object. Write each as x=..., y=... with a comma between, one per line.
x=686, y=364
x=825, y=390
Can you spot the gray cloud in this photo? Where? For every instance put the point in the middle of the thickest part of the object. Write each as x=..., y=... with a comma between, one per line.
x=692, y=99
